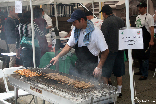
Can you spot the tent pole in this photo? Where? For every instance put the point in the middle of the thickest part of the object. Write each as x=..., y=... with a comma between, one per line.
x=27, y=6
x=56, y=13
x=7, y=9
x=56, y=30
x=32, y=26
x=129, y=54
x=33, y=45
x=147, y=6
x=99, y=9
x=93, y=7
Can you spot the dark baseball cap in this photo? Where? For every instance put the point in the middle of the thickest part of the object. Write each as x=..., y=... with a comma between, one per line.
x=88, y=13
x=106, y=9
x=77, y=14
x=142, y=4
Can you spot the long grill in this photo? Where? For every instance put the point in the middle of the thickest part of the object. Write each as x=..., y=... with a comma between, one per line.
x=62, y=93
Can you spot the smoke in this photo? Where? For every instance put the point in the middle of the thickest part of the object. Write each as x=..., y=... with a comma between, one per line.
x=84, y=76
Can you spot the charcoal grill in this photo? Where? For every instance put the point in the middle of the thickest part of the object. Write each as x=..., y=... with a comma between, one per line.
x=58, y=93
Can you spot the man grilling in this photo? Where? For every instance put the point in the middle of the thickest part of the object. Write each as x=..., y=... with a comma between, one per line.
x=89, y=42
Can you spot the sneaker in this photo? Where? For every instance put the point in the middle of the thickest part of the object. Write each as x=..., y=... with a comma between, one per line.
x=138, y=73
x=142, y=78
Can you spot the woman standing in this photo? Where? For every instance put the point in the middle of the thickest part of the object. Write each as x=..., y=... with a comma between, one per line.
x=24, y=41
x=42, y=25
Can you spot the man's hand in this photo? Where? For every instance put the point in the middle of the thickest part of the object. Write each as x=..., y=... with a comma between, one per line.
x=97, y=72
x=55, y=59
x=151, y=43
x=64, y=51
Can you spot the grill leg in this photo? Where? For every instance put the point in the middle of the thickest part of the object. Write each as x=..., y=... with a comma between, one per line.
x=92, y=100
x=43, y=101
x=36, y=102
x=16, y=94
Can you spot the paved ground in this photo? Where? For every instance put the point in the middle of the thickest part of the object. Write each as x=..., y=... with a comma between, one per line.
x=145, y=90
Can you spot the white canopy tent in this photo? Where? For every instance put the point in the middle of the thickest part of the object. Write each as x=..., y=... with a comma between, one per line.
x=40, y=2
x=5, y=3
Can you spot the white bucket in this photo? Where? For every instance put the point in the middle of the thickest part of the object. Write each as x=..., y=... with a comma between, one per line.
x=62, y=34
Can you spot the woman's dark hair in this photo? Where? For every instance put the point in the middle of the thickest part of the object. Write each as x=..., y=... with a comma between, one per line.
x=37, y=12
x=85, y=18
x=26, y=18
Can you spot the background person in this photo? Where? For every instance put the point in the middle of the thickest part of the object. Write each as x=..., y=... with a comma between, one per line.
x=115, y=60
x=96, y=22
x=48, y=27
x=48, y=20
x=24, y=41
x=146, y=22
x=42, y=25
x=10, y=33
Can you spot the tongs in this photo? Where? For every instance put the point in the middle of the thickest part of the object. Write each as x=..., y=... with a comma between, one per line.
x=49, y=65
x=40, y=71
x=147, y=49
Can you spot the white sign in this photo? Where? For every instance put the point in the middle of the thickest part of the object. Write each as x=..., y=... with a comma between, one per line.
x=130, y=39
x=18, y=6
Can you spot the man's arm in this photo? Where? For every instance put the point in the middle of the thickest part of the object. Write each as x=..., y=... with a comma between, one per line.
x=98, y=70
x=103, y=58
x=151, y=43
x=64, y=51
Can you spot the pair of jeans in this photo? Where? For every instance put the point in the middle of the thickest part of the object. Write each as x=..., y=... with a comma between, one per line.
x=144, y=65
x=12, y=48
x=27, y=57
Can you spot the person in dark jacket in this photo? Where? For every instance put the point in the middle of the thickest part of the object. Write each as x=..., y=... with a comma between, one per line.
x=24, y=41
x=10, y=33
x=115, y=60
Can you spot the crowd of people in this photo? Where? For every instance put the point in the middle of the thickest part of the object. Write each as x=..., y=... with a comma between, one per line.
x=95, y=41
x=16, y=30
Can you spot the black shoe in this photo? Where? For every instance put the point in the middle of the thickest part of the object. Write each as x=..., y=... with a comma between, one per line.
x=109, y=82
x=120, y=95
x=138, y=73
x=142, y=78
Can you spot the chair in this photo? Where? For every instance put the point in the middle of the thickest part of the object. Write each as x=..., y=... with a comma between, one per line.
x=5, y=95
x=8, y=71
x=3, y=102
x=9, y=94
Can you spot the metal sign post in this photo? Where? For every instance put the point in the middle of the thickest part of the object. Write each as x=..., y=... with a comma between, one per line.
x=57, y=46
x=129, y=54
